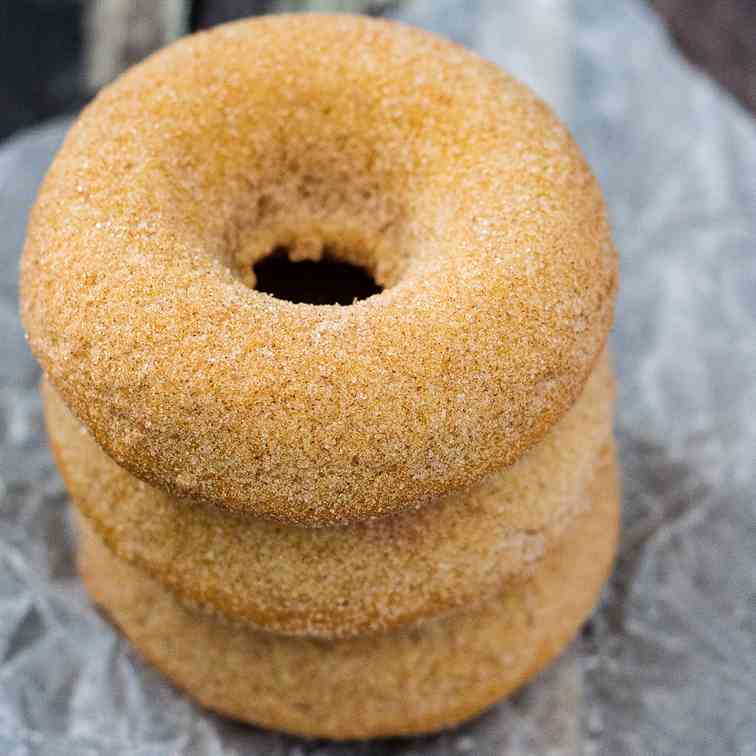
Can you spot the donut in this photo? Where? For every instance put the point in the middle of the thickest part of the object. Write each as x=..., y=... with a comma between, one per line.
x=408, y=681
x=318, y=138
x=348, y=580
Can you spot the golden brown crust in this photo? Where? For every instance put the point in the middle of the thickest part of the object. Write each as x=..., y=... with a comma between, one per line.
x=404, y=682
x=345, y=581
x=452, y=183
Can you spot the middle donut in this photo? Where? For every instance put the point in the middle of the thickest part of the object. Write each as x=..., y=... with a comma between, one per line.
x=348, y=580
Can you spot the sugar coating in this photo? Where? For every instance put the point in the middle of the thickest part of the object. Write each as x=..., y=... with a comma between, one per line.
x=453, y=184
x=405, y=682
x=348, y=580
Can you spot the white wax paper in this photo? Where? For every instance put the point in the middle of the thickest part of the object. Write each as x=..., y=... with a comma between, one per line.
x=668, y=664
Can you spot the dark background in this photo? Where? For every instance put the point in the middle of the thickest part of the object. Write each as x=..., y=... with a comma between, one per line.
x=44, y=47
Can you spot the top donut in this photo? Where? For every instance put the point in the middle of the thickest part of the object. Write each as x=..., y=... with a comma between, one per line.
x=449, y=182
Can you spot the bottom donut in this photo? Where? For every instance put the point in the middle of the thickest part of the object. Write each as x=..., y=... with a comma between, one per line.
x=409, y=681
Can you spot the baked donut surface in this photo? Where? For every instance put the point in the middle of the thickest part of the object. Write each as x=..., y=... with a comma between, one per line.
x=404, y=682
x=347, y=580
x=364, y=140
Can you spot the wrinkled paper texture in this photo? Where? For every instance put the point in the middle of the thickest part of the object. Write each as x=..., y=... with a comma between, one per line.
x=668, y=663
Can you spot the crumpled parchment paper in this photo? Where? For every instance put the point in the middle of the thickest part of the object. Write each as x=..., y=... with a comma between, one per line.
x=668, y=663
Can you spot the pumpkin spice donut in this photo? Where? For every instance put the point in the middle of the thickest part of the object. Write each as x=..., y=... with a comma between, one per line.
x=344, y=581
x=409, y=681
x=339, y=137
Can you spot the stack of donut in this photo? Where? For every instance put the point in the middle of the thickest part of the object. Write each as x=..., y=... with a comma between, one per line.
x=334, y=520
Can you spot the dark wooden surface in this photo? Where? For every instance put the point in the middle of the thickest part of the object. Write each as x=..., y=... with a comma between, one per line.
x=40, y=61
x=720, y=36
x=207, y=13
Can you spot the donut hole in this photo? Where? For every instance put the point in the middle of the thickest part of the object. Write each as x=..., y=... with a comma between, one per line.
x=328, y=280
x=317, y=239
x=317, y=221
